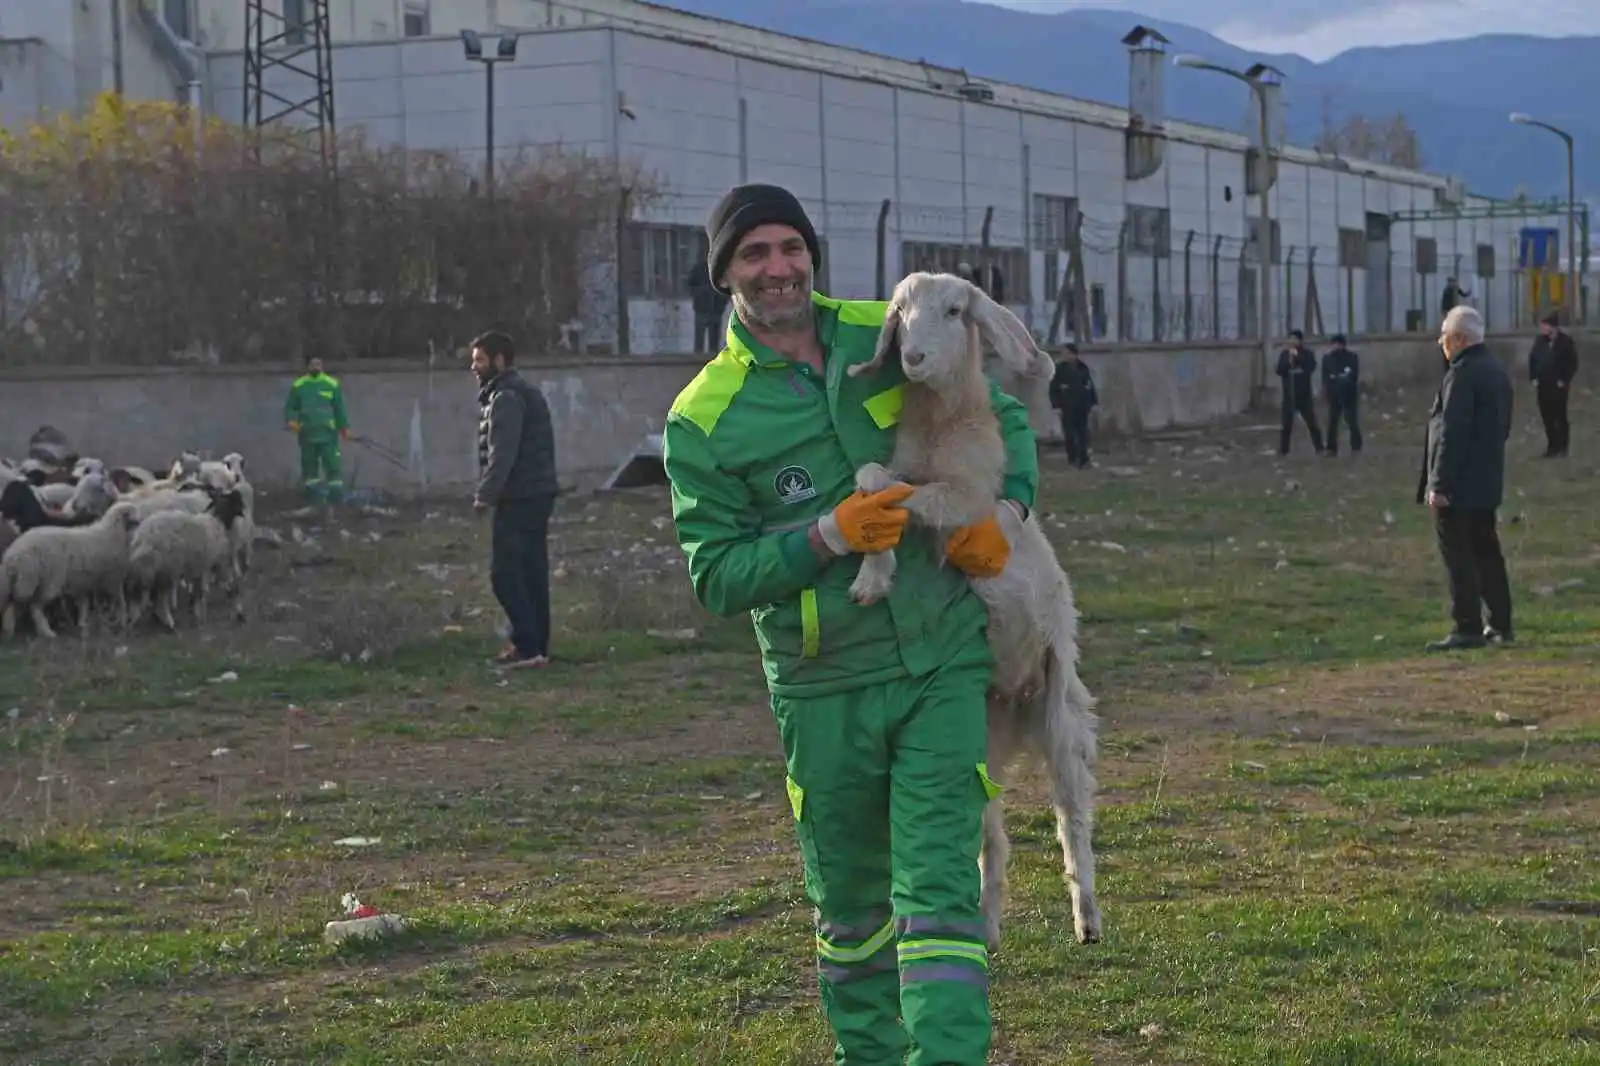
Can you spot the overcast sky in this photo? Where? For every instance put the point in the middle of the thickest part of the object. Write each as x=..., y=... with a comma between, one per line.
x=1318, y=29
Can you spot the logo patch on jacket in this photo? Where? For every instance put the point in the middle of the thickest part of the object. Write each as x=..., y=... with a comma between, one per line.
x=793, y=485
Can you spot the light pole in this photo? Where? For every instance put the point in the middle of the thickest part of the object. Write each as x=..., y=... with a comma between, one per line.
x=1574, y=301
x=505, y=52
x=1258, y=77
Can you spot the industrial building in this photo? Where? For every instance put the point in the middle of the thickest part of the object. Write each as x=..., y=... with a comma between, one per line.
x=916, y=165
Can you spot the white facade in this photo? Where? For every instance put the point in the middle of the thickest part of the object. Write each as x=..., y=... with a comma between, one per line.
x=706, y=104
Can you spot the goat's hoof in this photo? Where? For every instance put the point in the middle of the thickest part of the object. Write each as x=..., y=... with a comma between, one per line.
x=1086, y=923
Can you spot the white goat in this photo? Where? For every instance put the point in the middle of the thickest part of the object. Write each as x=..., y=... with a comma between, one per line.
x=948, y=445
x=173, y=548
x=49, y=563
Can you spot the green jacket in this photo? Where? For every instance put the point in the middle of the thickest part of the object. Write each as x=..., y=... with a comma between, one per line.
x=316, y=402
x=757, y=448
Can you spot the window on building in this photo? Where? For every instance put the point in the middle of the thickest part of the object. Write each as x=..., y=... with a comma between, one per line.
x=1150, y=231
x=1427, y=255
x=1053, y=217
x=659, y=259
x=1485, y=262
x=1353, y=248
x=417, y=22
x=176, y=15
x=1009, y=265
x=294, y=21
x=1253, y=252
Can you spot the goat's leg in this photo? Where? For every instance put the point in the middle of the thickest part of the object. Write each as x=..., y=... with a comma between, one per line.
x=83, y=603
x=1069, y=731
x=202, y=590
x=41, y=624
x=875, y=477
x=166, y=602
x=874, y=579
x=996, y=850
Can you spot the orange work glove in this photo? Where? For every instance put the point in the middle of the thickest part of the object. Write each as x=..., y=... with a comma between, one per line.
x=292, y=427
x=978, y=550
x=866, y=522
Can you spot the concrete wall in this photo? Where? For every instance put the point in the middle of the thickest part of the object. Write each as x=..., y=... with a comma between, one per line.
x=601, y=409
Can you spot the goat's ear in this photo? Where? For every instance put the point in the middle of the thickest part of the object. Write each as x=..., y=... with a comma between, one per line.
x=888, y=344
x=1008, y=337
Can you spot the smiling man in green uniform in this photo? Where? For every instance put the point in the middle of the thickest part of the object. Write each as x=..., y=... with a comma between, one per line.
x=881, y=709
x=314, y=413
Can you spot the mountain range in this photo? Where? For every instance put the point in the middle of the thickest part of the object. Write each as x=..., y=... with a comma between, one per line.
x=1457, y=95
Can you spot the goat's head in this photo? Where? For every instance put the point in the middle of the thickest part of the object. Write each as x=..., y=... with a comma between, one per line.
x=226, y=506
x=235, y=464
x=123, y=515
x=935, y=323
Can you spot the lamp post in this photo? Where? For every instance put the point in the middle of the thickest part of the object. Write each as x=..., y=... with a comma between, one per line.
x=505, y=52
x=1574, y=301
x=1258, y=77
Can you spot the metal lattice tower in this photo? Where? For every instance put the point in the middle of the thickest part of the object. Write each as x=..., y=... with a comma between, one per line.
x=288, y=70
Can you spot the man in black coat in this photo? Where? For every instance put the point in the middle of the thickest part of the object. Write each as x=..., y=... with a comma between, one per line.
x=1341, y=382
x=1463, y=481
x=1073, y=395
x=517, y=460
x=1296, y=364
x=1552, y=364
x=709, y=305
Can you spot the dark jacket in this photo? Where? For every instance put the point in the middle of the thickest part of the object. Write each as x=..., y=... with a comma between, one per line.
x=1072, y=387
x=1553, y=359
x=1295, y=367
x=705, y=297
x=1341, y=373
x=1464, y=457
x=516, y=441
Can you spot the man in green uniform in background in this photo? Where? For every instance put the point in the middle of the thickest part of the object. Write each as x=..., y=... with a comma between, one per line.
x=881, y=709
x=314, y=412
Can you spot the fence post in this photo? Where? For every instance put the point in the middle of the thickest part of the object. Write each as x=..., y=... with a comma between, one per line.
x=1388, y=288
x=882, y=279
x=624, y=209
x=1288, y=289
x=1188, y=287
x=1252, y=290
x=1216, y=288
x=1122, y=284
x=1157, y=311
x=1313, y=312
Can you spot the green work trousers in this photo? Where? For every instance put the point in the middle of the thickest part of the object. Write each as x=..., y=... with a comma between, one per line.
x=888, y=785
x=321, y=477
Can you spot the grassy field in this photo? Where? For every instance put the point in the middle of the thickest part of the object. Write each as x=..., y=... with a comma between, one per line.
x=1317, y=846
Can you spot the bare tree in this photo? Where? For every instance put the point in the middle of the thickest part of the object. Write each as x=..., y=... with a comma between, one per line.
x=124, y=240
x=1391, y=140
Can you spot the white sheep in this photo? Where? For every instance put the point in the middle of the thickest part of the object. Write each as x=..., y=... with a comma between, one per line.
x=93, y=495
x=154, y=499
x=243, y=531
x=174, y=548
x=49, y=563
x=948, y=444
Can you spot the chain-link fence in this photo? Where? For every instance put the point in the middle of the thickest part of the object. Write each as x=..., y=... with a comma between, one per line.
x=134, y=236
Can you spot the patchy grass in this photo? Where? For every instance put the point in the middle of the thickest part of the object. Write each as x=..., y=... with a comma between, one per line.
x=1317, y=847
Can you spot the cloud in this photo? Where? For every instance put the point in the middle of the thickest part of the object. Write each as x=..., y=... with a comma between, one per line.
x=1318, y=30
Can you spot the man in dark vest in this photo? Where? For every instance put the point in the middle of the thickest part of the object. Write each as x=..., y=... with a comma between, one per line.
x=1073, y=396
x=1463, y=481
x=1296, y=364
x=1552, y=364
x=1341, y=382
x=517, y=463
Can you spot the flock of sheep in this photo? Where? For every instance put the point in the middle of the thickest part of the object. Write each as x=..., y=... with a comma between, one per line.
x=76, y=537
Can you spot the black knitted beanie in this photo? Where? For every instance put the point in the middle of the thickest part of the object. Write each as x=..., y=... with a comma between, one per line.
x=742, y=209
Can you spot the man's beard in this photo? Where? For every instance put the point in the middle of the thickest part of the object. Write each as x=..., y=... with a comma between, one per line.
x=746, y=304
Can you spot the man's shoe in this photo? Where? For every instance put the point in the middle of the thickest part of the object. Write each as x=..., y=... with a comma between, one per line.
x=1496, y=636
x=1459, y=642
x=528, y=662
x=507, y=654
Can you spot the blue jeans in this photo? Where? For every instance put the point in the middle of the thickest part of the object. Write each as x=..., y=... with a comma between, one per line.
x=519, y=570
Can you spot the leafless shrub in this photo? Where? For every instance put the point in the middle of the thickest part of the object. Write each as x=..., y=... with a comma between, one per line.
x=127, y=236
